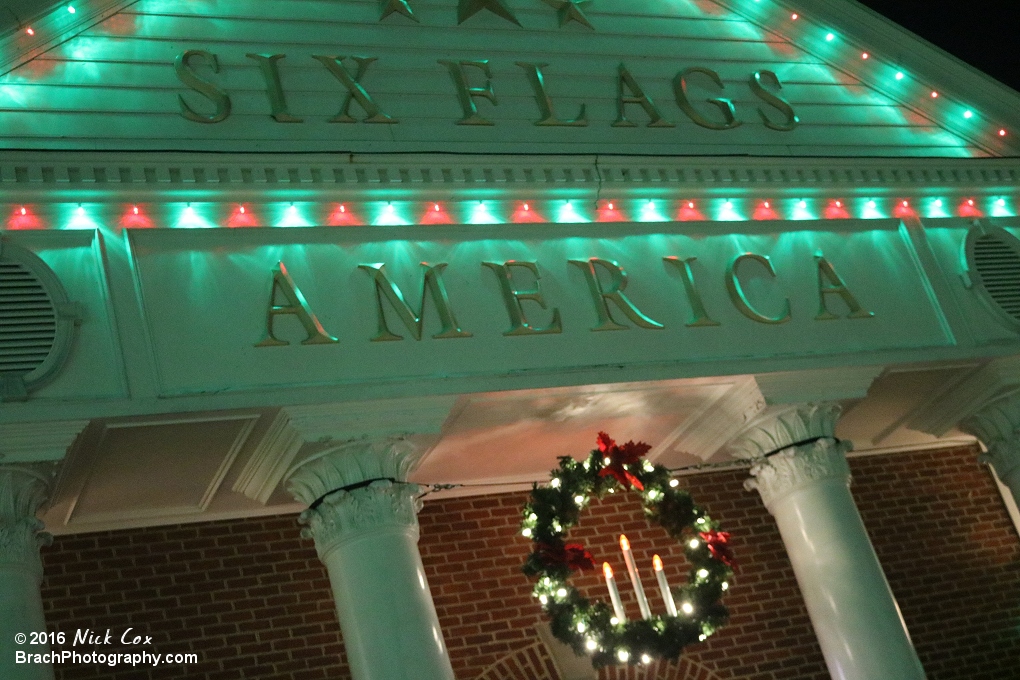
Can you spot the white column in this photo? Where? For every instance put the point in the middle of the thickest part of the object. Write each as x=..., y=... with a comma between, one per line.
x=367, y=537
x=23, y=489
x=997, y=425
x=806, y=488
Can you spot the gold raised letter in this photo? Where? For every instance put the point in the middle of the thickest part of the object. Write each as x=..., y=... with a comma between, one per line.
x=545, y=105
x=182, y=66
x=724, y=105
x=355, y=92
x=758, y=80
x=274, y=90
x=293, y=303
x=736, y=291
x=600, y=295
x=829, y=283
x=636, y=96
x=699, y=317
x=433, y=282
x=513, y=297
x=466, y=93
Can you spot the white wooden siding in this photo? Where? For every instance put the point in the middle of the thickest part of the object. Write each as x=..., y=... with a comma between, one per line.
x=114, y=86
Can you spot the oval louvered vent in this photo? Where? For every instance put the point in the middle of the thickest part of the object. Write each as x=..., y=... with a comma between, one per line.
x=37, y=322
x=993, y=257
x=28, y=320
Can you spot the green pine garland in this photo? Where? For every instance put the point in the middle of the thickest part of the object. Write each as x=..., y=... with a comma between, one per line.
x=590, y=627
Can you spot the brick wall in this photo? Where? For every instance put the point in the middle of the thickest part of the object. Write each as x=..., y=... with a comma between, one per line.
x=252, y=600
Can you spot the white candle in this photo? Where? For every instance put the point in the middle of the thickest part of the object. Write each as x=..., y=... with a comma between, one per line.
x=628, y=557
x=667, y=595
x=614, y=594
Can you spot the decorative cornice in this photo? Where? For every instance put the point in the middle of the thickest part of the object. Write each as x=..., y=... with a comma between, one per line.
x=43, y=176
x=340, y=516
x=998, y=379
x=23, y=490
x=38, y=442
x=997, y=425
x=295, y=426
x=818, y=385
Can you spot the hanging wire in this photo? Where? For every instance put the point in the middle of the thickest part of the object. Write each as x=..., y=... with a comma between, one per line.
x=737, y=464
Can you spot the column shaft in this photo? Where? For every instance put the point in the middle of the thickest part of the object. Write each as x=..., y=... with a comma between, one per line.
x=852, y=609
x=806, y=488
x=386, y=613
x=365, y=526
x=23, y=488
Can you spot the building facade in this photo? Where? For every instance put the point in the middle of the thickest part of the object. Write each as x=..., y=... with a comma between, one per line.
x=322, y=257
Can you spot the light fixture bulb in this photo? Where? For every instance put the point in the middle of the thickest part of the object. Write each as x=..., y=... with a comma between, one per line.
x=934, y=94
x=830, y=37
x=968, y=114
x=70, y=9
x=864, y=55
x=30, y=30
x=899, y=75
x=694, y=543
x=23, y=210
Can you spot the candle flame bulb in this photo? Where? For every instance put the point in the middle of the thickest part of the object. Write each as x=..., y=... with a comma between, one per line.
x=635, y=579
x=614, y=593
x=667, y=594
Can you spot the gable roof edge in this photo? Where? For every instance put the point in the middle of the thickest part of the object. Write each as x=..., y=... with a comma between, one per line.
x=53, y=29
x=929, y=66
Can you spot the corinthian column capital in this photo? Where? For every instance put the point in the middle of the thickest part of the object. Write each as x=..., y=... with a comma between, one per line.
x=356, y=489
x=813, y=455
x=23, y=490
x=997, y=425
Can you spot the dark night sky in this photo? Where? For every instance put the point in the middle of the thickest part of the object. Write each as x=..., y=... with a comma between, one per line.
x=983, y=33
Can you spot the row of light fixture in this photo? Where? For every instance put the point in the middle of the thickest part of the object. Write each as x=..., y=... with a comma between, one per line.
x=830, y=37
x=397, y=213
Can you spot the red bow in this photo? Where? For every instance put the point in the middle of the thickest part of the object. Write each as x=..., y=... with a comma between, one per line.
x=718, y=545
x=620, y=456
x=574, y=556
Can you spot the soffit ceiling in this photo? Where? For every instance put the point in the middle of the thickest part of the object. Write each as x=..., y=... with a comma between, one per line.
x=150, y=471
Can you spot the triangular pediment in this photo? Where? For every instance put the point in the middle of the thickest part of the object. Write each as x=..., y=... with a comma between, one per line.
x=659, y=77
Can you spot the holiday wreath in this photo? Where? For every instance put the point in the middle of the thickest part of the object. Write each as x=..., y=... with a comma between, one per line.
x=591, y=627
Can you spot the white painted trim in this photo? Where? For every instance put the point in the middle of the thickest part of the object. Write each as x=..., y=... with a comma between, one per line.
x=44, y=177
x=1007, y=499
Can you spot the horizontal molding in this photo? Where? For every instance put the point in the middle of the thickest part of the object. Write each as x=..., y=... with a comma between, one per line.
x=45, y=176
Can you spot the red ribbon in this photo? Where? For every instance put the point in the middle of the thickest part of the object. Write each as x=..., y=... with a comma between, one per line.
x=574, y=556
x=619, y=457
x=718, y=545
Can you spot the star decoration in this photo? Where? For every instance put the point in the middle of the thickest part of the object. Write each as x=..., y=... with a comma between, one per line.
x=398, y=6
x=468, y=8
x=570, y=10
